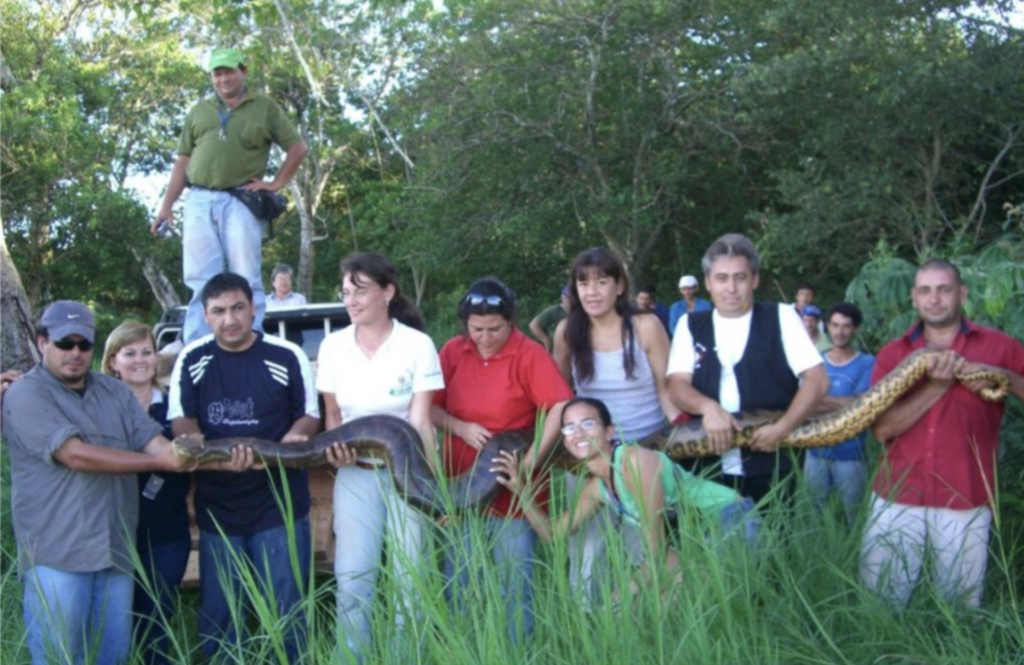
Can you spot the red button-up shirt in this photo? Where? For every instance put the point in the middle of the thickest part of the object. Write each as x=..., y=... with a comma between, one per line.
x=501, y=393
x=947, y=458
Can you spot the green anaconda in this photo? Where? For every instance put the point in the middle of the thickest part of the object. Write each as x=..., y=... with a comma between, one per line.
x=387, y=438
x=689, y=439
x=398, y=444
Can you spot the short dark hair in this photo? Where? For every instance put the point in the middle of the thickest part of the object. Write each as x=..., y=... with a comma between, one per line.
x=488, y=287
x=806, y=285
x=847, y=309
x=729, y=245
x=602, y=409
x=942, y=264
x=646, y=288
x=224, y=282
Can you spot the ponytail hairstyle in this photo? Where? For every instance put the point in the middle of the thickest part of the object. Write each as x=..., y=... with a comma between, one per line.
x=379, y=269
x=603, y=262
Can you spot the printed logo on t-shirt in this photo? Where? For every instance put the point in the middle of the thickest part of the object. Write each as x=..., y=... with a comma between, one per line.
x=404, y=385
x=232, y=412
x=699, y=351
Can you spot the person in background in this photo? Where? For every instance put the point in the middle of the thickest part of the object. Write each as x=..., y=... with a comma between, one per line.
x=934, y=488
x=544, y=324
x=647, y=302
x=804, y=296
x=811, y=317
x=690, y=303
x=843, y=467
x=162, y=539
x=496, y=380
x=282, y=294
x=381, y=364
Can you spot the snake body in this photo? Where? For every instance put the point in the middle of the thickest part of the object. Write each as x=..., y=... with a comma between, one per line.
x=387, y=438
x=398, y=444
x=690, y=440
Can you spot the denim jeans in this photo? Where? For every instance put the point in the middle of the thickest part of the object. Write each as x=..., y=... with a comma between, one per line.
x=164, y=566
x=69, y=615
x=367, y=509
x=219, y=233
x=848, y=477
x=741, y=519
x=220, y=586
x=511, y=543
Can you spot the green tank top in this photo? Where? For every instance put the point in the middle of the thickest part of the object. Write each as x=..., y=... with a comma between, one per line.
x=681, y=489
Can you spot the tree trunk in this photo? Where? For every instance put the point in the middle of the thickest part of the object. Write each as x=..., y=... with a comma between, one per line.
x=17, y=332
x=162, y=287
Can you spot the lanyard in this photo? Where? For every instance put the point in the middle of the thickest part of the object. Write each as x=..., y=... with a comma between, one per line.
x=224, y=114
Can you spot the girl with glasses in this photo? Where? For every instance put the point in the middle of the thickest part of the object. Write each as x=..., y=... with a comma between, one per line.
x=381, y=364
x=639, y=484
x=496, y=380
x=615, y=354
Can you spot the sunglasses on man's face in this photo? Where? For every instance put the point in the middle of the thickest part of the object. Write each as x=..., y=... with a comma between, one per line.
x=475, y=299
x=66, y=344
x=586, y=425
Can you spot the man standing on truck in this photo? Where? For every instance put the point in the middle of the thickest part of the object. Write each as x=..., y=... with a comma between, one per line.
x=237, y=382
x=222, y=156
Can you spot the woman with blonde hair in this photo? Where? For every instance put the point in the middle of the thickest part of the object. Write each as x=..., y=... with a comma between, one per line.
x=162, y=538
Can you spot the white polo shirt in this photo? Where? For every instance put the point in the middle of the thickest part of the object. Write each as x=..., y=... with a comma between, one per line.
x=731, y=336
x=405, y=364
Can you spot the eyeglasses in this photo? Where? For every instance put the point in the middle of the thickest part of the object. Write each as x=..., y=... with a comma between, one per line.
x=66, y=344
x=475, y=299
x=587, y=424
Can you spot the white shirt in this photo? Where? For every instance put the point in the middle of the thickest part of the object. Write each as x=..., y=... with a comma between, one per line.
x=406, y=363
x=293, y=299
x=731, y=336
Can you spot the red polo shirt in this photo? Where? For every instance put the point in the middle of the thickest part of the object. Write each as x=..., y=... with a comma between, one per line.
x=501, y=393
x=947, y=459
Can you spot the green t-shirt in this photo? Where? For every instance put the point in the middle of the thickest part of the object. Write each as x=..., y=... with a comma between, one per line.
x=549, y=319
x=679, y=487
x=252, y=127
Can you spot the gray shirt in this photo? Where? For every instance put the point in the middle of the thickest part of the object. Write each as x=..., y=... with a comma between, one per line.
x=74, y=521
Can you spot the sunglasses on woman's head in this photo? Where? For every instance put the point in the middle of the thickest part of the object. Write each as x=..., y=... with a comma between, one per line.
x=67, y=344
x=475, y=299
x=587, y=424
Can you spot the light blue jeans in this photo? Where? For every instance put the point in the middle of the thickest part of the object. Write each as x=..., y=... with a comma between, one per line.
x=367, y=513
x=219, y=233
x=848, y=477
x=512, y=543
x=69, y=615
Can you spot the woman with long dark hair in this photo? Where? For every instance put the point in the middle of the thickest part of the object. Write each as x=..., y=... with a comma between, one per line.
x=382, y=364
x=617, y=355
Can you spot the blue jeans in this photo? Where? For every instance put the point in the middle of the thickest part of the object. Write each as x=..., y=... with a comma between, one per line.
x=164, y=566
x=848, y=477
x=511, y=542
x=69, y=615
x=219, y=233
x=220, y=585
x=741, y=519
x=367, y=509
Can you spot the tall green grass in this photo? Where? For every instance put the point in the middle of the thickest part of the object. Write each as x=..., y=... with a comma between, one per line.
x=798, y=600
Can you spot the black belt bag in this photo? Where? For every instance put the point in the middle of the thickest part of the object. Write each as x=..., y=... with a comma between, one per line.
x=263, y=204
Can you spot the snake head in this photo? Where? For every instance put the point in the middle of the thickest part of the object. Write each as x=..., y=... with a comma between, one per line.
x=188, y=447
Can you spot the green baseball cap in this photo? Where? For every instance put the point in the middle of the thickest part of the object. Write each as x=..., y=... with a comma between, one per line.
x=226, y=57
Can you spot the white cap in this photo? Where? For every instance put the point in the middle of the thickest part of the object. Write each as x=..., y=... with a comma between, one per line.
x=687, y=281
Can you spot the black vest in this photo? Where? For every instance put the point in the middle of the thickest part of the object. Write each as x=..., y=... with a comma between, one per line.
x=763, y=374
